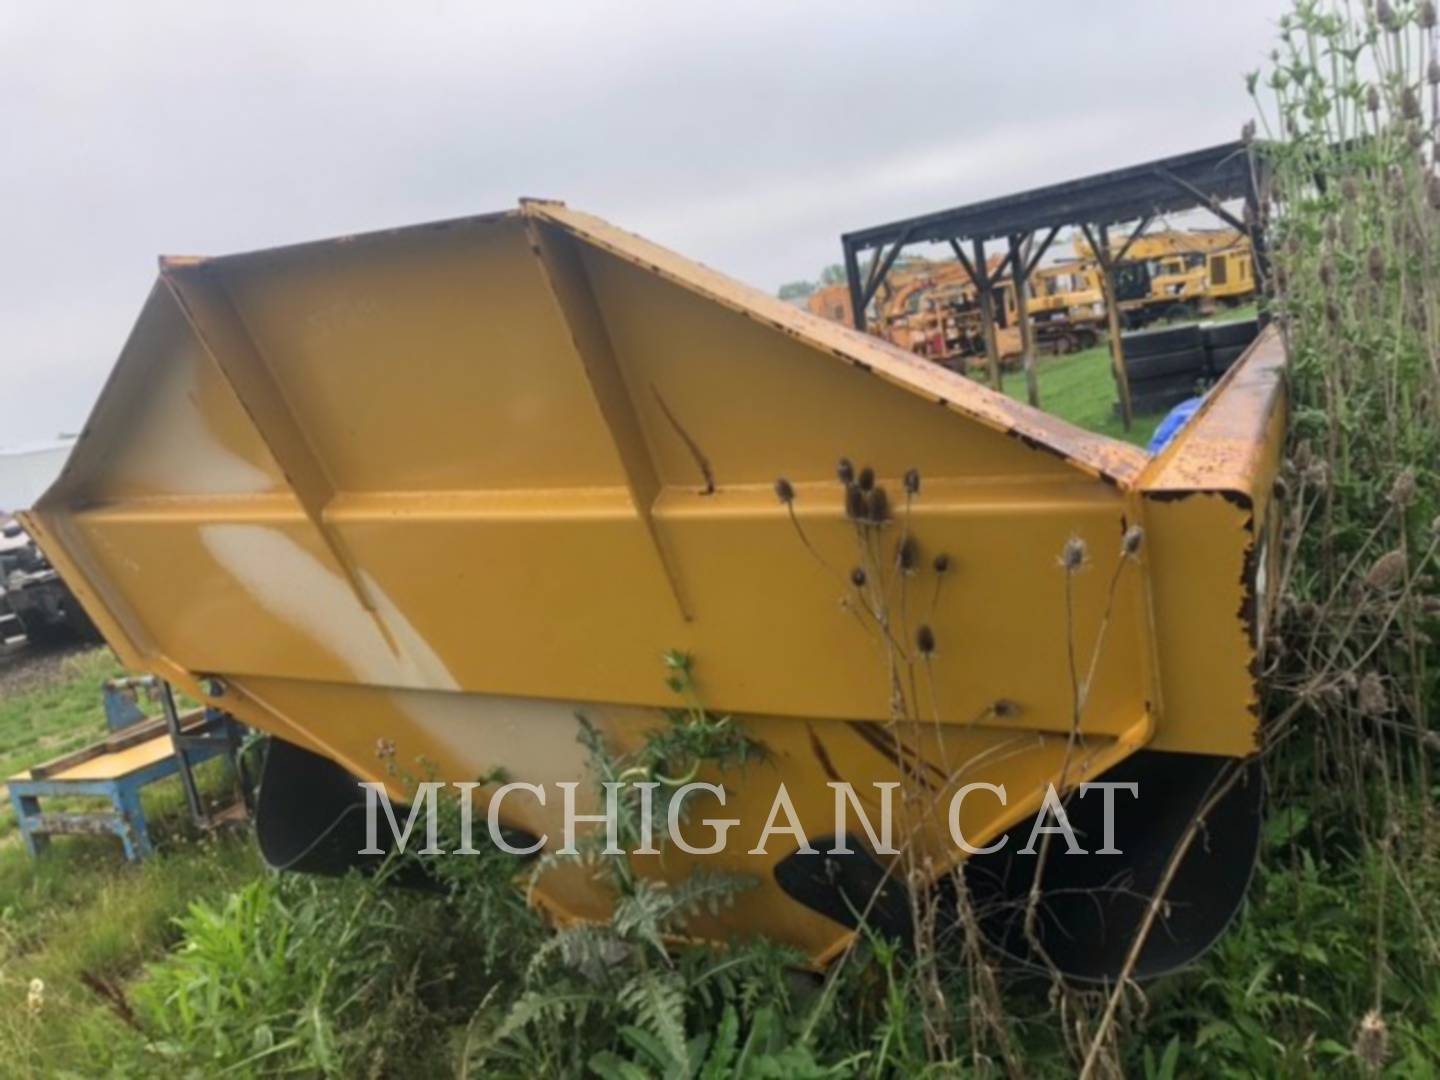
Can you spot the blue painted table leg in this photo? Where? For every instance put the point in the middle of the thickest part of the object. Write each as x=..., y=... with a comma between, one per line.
x=27, y=808
x=133, y=830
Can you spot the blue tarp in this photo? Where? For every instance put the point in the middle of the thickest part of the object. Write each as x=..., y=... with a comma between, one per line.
x=1174, y=420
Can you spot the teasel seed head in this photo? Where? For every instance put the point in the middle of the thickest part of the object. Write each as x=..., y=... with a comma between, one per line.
x=907, y=555
x=1372, y=1038
x=925, y=640
x=1132, y=541
x=854, y=504
x=1375, y=263
x=866, y=480
x=912, y=481
x=941, y=563
x=858, y=578
x=1005, y=709
x=1372, y=697
x=1387, y=571
x=1409, y=104
x=784, y=491
x=1247, y=132
x=1427, y=14
x=1432, y=190
x=879, y=507
x=1385, y=15
x=1372, y=99
x=1072, y=557
x=845, y=471
x=1402, y=492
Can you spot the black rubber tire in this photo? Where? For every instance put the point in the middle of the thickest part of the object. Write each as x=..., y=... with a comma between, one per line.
x=1221, y=359
x=1158, y=402
x=1161, y=393
x=1155, y=342
x=79, y=625
x=1092, y=907
x=1182, y=380
x=1222, y=335
x=1157, y=365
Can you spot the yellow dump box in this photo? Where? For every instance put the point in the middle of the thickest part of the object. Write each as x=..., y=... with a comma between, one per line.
x=434, y=494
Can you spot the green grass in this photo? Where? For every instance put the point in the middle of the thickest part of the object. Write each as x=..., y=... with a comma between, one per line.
x=1080, y=388
x=59, y=713
x=81, y=912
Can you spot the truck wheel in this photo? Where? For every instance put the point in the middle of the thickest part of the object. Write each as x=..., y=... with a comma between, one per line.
x=80, y=626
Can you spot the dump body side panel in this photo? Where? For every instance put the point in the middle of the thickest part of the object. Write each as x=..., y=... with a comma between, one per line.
x=449, y=489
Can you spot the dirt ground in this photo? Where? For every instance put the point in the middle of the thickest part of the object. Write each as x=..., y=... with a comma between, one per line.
x=33, y=666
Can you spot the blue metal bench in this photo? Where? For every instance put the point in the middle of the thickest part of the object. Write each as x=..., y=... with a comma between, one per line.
x=139, y=751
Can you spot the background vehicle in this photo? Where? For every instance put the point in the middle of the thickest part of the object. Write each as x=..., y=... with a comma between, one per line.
x=1179, y=274
x=35, y=603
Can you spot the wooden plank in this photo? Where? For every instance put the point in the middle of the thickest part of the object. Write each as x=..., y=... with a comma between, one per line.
x=986, y=295
x=1101, y=247
x=75, y=823
x=1022, y=317
x=131, y=736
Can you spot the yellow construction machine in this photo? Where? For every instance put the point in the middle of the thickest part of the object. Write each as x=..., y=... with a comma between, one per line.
x=1230, y=274
x=435, y=502
x=1179, y=274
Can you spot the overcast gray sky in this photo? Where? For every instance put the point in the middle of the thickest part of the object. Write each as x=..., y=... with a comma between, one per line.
x=746, y=134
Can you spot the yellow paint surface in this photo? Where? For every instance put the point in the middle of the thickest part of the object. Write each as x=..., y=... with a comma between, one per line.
x=451, y=487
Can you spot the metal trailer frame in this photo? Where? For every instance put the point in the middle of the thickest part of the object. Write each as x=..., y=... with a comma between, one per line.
x=1201, y=178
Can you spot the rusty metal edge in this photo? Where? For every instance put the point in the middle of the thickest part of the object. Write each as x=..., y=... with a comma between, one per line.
x=1104, y=458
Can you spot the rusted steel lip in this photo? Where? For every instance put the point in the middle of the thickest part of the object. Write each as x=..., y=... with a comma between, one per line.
x=1096, y=455
x=1220, y=449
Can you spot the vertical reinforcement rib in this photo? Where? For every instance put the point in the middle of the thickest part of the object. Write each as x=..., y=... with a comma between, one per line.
x=223, y=334
x=569, y=285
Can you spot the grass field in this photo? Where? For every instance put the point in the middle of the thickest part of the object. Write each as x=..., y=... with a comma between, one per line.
x=1080, y=388
x=82, y=919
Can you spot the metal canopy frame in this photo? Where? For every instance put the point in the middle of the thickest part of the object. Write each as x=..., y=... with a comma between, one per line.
x=1198, y=179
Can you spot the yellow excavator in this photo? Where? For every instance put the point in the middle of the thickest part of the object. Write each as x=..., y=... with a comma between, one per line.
x=931, y=308
x=1178, y=274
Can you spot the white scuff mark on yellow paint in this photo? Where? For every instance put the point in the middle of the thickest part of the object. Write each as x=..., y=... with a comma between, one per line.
x=175, y=453
x=295, y=587
x=469, y=735
x=530, y=739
